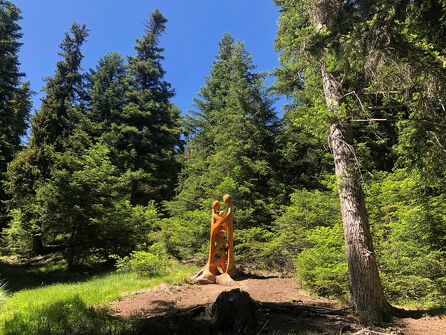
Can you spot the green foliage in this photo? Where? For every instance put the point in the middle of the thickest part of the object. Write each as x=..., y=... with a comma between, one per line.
x=258, y=247
x=388, y=60
x=108, y=85
x=59, y=112
x=151, y=263
x=98, y=157
x=150, y=131
x=186, y=234
x=231, y=145
x=19, y=239
x=15, y=101
x=102, y=224
x=410, y=232
x=308, y=210
x=131, y=113
x=322, y=268
x=52, y=126
x=310, y=239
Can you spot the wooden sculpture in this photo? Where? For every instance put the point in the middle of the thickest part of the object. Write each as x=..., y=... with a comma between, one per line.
x=220, y=267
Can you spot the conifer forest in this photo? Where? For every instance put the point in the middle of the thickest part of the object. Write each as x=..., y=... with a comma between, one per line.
x=339, y=195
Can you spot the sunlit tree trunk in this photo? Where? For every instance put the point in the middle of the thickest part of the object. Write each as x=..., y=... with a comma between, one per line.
x=366, y=291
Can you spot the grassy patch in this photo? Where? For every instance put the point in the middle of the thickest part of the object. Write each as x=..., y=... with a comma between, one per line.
x=60, y=308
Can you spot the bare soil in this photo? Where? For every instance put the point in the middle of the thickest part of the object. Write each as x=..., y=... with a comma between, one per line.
x=424, y=326
x=283, y=308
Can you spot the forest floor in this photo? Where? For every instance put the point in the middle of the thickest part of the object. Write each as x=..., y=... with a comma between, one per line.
x=283, y=308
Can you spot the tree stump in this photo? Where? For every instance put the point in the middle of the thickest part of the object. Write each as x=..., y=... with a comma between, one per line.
x=234, y=312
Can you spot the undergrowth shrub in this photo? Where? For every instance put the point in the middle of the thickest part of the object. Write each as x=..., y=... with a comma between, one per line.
x=186, y=236
x=257, y=247
x=322, y=268
x=408, y=222
x=308, y=210
x=151, y=263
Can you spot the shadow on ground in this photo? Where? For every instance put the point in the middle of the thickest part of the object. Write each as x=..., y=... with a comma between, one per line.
x=43, y=271
x=72, y=316
x=241, y=276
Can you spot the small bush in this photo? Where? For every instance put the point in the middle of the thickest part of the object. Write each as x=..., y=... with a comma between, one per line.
x=308, y=211
x=18, y=240
x=322, y=268
x=187, y=235
x=151, y=263
x=258, y=247
x=409, y=229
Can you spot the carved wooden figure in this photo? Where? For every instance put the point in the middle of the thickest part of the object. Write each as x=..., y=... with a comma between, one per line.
x=220, y=267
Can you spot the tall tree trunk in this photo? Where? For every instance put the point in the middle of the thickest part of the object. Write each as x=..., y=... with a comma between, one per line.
x=366, y=291
x=37, y=247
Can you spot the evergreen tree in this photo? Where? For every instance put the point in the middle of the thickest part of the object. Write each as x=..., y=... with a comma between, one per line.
x=320, y=54
x=231, y=147
x=371, y=62
x=58, y=115
x=148, y=133
x=108, y=88
x=85, y=207
x=15, y=101
x=52, y=126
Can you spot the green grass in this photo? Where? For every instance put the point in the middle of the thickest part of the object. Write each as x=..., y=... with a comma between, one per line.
x=36, y=310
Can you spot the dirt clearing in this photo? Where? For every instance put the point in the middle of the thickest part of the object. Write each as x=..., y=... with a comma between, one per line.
x=283, y=308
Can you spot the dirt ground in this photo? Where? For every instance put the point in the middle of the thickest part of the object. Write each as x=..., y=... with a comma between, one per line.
x=424, y=326
x=284, y=308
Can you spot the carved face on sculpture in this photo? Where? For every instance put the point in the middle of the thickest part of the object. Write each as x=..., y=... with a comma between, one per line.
x=215, y=206
x=227, y=199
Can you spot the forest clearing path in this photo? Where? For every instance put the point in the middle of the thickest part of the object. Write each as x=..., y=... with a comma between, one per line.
x=284, y=305
x=160, y=299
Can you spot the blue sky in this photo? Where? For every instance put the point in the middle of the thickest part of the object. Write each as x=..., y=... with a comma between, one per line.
x=190, y=42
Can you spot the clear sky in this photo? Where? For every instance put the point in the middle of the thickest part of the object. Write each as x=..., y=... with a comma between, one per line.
x=190, y=42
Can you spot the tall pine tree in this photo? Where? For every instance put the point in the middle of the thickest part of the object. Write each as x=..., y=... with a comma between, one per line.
x=52, y=126
x=109, y=83
x=148, y=132
x=15, y=101
x=231, y=147
x=355, y=64
x=59, y=113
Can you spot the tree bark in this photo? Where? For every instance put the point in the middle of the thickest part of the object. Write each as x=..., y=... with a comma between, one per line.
x=366, y=291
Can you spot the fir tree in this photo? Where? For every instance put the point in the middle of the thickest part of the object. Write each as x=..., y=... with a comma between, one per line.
x=52, y=126
x=57, y=117
x=85, y=207
x=131, y=112
x=108, y=88
x=145, y=133
x=355, y=63
x=231, y=147
x=15, y=101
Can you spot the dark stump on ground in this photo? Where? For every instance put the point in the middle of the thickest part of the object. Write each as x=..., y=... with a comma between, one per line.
x=234, y=312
